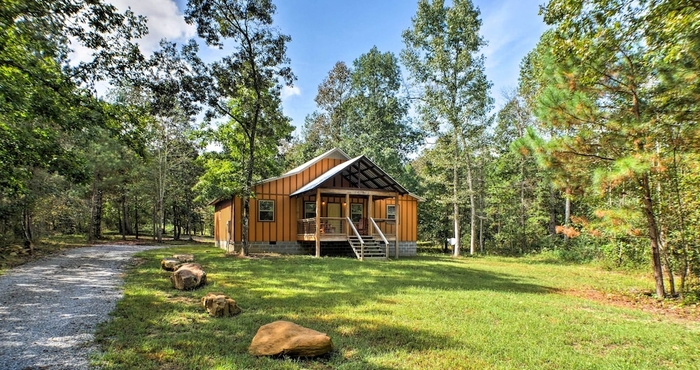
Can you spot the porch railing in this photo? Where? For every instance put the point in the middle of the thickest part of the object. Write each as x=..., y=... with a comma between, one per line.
x=306, y=226
x=328, y=226
x=386, y=226
x=381, y=235
x=361, y=255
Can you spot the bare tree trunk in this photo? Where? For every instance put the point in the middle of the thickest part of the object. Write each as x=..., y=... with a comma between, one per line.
x=155, y=217
x=552, y=211
x=472, y=206
x=136, y=216
x=125, y=215
x=95, y=229
x=455, y=203
x=567, y=210
x=176, y=223
x=648, y=208
x=246, y=197
x=120, y=221
x=523, y=223
x=27, y=229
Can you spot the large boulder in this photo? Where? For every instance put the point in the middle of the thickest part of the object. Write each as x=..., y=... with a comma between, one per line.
x=220, y=305
x=288, y=338
x=170, y=264
x=189, y=276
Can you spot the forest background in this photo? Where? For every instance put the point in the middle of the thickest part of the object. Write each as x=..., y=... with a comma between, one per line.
x=593, y=157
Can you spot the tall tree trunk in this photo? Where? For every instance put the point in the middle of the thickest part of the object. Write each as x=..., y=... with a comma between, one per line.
x=120, y=221
x=472, y=206
x=176, y=223
x=27, y=229
x=245, y=219
x=567, y=210
x=125, y=215
x=552, y=227
x=155, y=218
x=523, y=216
x=455, y=202
x=136, y=216
x=648, y=208
x=95, y=230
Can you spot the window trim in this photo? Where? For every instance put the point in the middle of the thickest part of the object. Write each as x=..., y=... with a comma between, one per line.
x=305, y=203
x=388, y=214
x=362, y=212
x=260, y=201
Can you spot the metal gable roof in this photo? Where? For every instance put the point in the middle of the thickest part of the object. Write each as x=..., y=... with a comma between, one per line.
x=359, y=171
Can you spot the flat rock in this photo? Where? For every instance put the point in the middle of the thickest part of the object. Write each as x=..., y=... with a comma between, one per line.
x=287, y=338
x=184, y=257
x=169, y=264
x=220, y=305
x=189, y=276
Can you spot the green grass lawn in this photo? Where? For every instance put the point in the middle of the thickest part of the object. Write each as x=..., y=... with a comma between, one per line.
x=429, y=312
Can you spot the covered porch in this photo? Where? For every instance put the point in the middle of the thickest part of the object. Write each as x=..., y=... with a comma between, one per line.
x=354, y=202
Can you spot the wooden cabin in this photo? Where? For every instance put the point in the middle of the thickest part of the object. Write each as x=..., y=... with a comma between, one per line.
x=362, y=212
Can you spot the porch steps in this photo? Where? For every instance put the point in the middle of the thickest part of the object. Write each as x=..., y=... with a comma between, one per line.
x=374, y=248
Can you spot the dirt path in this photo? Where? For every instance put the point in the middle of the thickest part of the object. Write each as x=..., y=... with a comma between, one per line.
x=49, y=308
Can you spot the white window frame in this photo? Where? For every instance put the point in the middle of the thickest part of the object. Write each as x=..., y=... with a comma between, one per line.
x=391, y=215
x=260, y=210
x=306, y=215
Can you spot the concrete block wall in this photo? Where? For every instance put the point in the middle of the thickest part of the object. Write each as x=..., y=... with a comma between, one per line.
x=408, y=249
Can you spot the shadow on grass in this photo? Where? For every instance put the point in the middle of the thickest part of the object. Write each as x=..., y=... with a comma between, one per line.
x=156, y=326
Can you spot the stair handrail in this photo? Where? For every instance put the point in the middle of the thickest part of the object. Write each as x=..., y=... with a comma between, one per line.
x=357, y=234
x=386, y=242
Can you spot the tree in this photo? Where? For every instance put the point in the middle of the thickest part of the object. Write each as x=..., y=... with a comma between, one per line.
x=441, y=55
x=327, y=128
x=362, y=111
x=378, y=122
x=245, y=86
x=46, y=98
x=605, y=82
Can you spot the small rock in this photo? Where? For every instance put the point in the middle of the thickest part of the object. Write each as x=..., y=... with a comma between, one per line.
x=169, y=264
x=184, y=257
x=287, y=338
x=220, y=305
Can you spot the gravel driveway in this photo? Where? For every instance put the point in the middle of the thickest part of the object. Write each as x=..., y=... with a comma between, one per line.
x=49, y=308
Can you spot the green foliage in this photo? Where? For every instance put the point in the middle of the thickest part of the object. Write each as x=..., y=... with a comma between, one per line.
x=361, y=110
x=442, y=57
x=603, y=86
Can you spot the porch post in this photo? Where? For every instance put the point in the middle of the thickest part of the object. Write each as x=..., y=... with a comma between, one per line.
x=398, y=228
x=370, y=229
x=300, y=212
x=347, y=211
x=318, y=222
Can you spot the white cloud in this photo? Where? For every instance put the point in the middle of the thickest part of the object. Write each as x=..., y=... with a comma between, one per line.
x=165, y=20
x=288, y=92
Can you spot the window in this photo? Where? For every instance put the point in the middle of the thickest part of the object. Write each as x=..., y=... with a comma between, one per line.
x=391, y=212
x=266, y=210
x=309, y=209
x=356, y=212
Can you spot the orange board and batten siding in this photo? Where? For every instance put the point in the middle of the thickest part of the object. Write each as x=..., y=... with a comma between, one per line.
x=288, y=210
x=408, y=215
x=284, y=227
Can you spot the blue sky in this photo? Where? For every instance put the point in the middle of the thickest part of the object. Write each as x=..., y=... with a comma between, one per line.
x=326, y=31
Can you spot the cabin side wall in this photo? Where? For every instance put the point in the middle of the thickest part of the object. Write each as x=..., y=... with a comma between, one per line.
x=279, y=235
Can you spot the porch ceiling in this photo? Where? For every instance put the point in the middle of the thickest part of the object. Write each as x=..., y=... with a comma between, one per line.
x=361, y=173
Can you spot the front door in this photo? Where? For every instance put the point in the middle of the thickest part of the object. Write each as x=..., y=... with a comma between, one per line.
x=334, y=210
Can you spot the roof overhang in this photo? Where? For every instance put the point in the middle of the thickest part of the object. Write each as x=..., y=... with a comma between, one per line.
x=362, y=173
